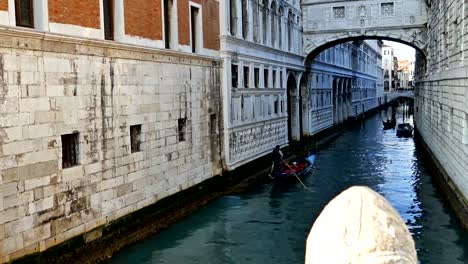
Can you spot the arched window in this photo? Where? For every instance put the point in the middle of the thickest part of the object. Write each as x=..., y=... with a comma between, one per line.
x=245, y=19
x=233, y=17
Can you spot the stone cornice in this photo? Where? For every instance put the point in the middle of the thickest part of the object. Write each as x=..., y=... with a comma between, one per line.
x=48, y=42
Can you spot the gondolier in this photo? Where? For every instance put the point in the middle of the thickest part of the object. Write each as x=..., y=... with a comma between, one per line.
x=277, y=156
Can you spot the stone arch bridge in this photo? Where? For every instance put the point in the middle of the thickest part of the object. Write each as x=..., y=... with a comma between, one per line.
x=327, y=23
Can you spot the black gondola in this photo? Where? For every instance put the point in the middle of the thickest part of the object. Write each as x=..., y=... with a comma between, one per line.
x=389, y=124
x=296, y=168
x=404, y=130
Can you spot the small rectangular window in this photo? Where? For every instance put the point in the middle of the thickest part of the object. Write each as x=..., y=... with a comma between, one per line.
x=265, y=78
x=276, y=107
x=235, y=76
x=182, y=128
x=135, y=138
x=246, y=77
x=257, y=77
x=108, y=19
x=195, y=28
x=70, y=150
x=387, y=9
x=24, y=13
x=339, y=12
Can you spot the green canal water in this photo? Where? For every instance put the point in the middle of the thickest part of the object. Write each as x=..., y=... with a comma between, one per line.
x=270, y=224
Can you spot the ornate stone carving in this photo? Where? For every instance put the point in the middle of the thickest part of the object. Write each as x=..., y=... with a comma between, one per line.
x=255, y=140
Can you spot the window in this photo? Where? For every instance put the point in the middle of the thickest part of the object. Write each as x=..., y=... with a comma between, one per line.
x=274, y=79
x=276, y=106
x=108, y=19
x=265, y=77
x=169, y=23
x=195, y=28
x=70, y=145
x=257, y=77
x=386, y=9
x=182, y=128
x=24, y=13
x=246, y=77
x=339, y=12
x=135, y=138
x=235, y=76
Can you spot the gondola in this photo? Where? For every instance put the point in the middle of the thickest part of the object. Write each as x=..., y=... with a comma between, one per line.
x=295, y=168
x=404, y=130
x=389, y=124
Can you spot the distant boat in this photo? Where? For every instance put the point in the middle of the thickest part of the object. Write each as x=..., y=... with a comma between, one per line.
x=404, y=130
x=389, y=124
x=297, y=167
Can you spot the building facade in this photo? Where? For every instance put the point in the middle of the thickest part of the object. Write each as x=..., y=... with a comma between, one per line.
x=346, y=82
x=262, y=58
x=390, y=69
x=106, y=107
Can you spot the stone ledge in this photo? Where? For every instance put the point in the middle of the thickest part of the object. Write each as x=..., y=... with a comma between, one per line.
x=49, y=42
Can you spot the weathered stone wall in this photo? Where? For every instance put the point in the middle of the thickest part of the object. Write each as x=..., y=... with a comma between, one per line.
x=51, y=86
x=441, y=109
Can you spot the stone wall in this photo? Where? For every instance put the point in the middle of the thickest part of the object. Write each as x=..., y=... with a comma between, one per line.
x=441, y=107
x=53, y=86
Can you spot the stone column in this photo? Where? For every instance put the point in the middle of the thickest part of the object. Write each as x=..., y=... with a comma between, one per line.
x=224, y=14
x=250, y=15
x=240, y=29
x=41, y=15
x=261, y=31
x=119, y=20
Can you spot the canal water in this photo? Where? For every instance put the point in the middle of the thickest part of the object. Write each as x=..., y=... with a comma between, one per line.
x=270, y=224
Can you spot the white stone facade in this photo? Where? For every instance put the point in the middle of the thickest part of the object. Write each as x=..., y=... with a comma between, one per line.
x=56, y=87
x=345, y=82
x=260, y=51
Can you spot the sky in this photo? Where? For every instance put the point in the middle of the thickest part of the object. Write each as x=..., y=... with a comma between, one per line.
x=401, y=51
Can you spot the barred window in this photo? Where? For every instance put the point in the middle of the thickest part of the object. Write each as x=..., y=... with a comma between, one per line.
x=24, y=13
x=135, y=138
x=387, y=9
x=70, y=150
x=339, y=12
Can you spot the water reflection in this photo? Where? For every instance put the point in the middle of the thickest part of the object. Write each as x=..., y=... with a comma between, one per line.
x=270, y=224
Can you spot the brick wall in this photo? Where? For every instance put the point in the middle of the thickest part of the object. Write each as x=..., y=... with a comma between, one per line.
x=143, y=18
x=49, y=93
x=83, y=13
x=4, y=5
x=211, y=24
x=210, y=12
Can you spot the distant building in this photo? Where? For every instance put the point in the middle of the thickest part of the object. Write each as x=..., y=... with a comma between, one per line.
x=390, y=69
x=406, y=74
